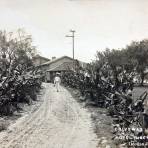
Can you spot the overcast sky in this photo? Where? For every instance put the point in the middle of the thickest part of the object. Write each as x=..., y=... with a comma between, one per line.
x=98, y=24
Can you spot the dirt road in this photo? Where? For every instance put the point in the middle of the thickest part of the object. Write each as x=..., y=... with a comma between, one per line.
x=60, y=122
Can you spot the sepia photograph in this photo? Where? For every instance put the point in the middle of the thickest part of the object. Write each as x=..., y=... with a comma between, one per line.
x=73, y=73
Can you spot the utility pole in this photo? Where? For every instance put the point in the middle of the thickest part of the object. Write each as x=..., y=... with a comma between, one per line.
x=73, y=41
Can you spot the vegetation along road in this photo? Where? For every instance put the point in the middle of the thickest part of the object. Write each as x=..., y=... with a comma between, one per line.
x=60, y=122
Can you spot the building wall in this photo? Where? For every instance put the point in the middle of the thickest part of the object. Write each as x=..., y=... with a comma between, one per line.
x=39, y=61
x=49, y=75
x=52, y=65
x=44, y=68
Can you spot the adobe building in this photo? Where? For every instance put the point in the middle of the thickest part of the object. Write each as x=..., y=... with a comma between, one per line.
x=62, y=64
x=38, y=60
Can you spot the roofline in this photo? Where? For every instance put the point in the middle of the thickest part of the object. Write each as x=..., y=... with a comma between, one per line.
x=38, y=56
x=56, y=67
x=55, y=60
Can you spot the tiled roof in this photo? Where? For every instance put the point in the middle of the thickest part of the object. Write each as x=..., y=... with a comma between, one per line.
x=55, y=60
x=62, y=67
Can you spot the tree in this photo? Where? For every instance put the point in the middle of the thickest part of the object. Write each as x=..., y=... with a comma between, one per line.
x=114, y=62
x=137, y=53
x=16, y=51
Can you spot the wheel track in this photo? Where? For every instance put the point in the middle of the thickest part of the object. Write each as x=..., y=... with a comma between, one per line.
x=25, y=129
x=68, y=137
x=49, y=126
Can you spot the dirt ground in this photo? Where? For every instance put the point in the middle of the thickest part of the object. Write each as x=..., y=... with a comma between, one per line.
x=58, y=122
x=102, y=123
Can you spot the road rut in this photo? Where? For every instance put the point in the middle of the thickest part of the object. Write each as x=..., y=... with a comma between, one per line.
x=60, y=122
